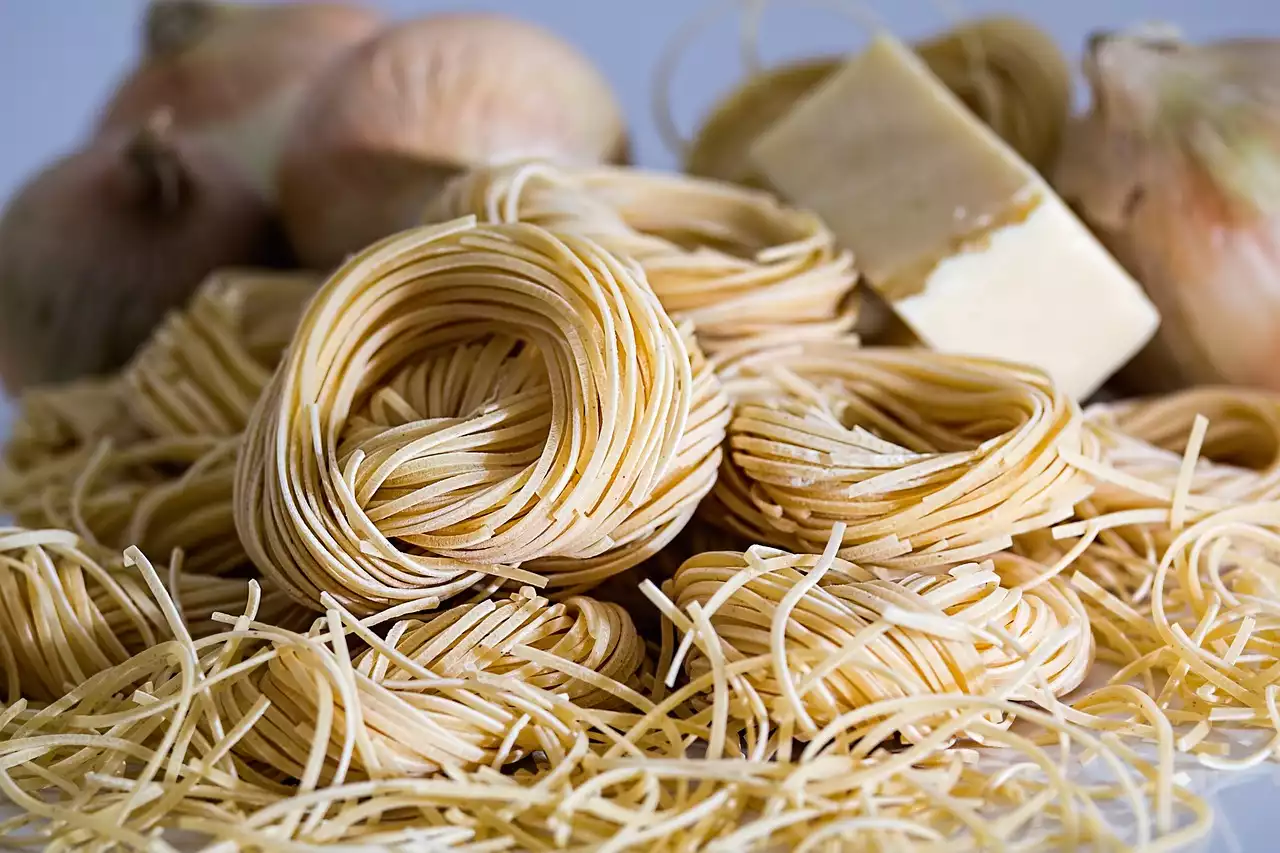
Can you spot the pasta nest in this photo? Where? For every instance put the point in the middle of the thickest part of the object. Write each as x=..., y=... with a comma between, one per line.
x=1237, y=456
x=927, y=459
x=147, y=457
x=467, y=403
x=743, y=268
x=71, y=611
x=463, y=689
x=831, y=636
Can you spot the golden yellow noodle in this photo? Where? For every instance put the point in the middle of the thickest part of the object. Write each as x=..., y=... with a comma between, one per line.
x=860, y=635
x=470, y=402
x=148, y=457
x=417, y=718
x=68, y=612
x=927, y=459
x=116, y=765
x=743, y=268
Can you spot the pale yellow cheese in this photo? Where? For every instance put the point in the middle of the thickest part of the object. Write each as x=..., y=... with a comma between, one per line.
x=967, y=242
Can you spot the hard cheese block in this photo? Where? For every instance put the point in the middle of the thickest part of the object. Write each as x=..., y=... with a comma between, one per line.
x=967, y=242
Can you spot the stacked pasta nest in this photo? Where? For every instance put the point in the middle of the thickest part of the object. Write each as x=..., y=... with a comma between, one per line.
x=576, y=519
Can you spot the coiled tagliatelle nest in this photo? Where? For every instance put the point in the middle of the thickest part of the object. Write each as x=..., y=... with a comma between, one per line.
x=832, y=636
x=447, y=693
x=927, y=459
x=745, y=269
x=147, y=457
x=69, y=611
x=467, y=403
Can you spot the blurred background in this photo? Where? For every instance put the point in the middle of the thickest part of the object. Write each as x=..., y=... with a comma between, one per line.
x=61, y=58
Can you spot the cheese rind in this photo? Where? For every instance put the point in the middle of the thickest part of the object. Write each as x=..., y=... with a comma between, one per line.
x=967, y=242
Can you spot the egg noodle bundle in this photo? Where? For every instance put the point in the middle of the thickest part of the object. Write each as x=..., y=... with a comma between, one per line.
x=68, y=612
x=838, y=638
x=927, y=459
x=111, y=764
x=739, y=265
x=1177, y=559
x=1237, y=459
x=467, y=403
x=203, y=368
x=410, y=691
x=148, y=456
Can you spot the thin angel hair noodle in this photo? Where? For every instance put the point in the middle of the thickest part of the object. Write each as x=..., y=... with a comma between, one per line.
x=927, y=459
x=471, y=403
x=204, y=367
x=742, y=267
x=1179, y=568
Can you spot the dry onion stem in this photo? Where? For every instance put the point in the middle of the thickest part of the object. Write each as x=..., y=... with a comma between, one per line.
x=67, y=613
x=743, y=268
x=110, y=763
x=928, y=459
x=148, y=456
x=470, y=402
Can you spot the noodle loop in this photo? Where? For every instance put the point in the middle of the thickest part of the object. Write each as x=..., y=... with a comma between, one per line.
x=465, y=400
x=743, y=268
x=928, y=459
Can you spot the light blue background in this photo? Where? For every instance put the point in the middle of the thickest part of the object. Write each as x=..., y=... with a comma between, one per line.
x=59, y=59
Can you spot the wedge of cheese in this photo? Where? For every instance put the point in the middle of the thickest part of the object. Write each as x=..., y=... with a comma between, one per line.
x=961, y=237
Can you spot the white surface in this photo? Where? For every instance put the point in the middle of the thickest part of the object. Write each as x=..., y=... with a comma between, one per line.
x=59, y=60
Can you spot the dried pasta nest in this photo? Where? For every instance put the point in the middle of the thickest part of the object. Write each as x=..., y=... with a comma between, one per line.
x=55, y=423
x=353, y=715
x=204, y=367
x=1237, y=458
x=470, y=402
x=448, y=693
x=832, y=636
x=70, y=611
x=927, y=459
x=743, y=268
x=147, y=457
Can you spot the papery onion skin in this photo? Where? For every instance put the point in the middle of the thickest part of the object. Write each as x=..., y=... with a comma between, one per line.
x=1177, y=169
x=398, y=116
x=98, y=247
x=235, y=72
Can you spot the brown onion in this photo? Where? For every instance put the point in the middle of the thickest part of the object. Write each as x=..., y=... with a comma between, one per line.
x=233, y=72
x=100, y=245
x=1177, y=169
x=390, y=122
